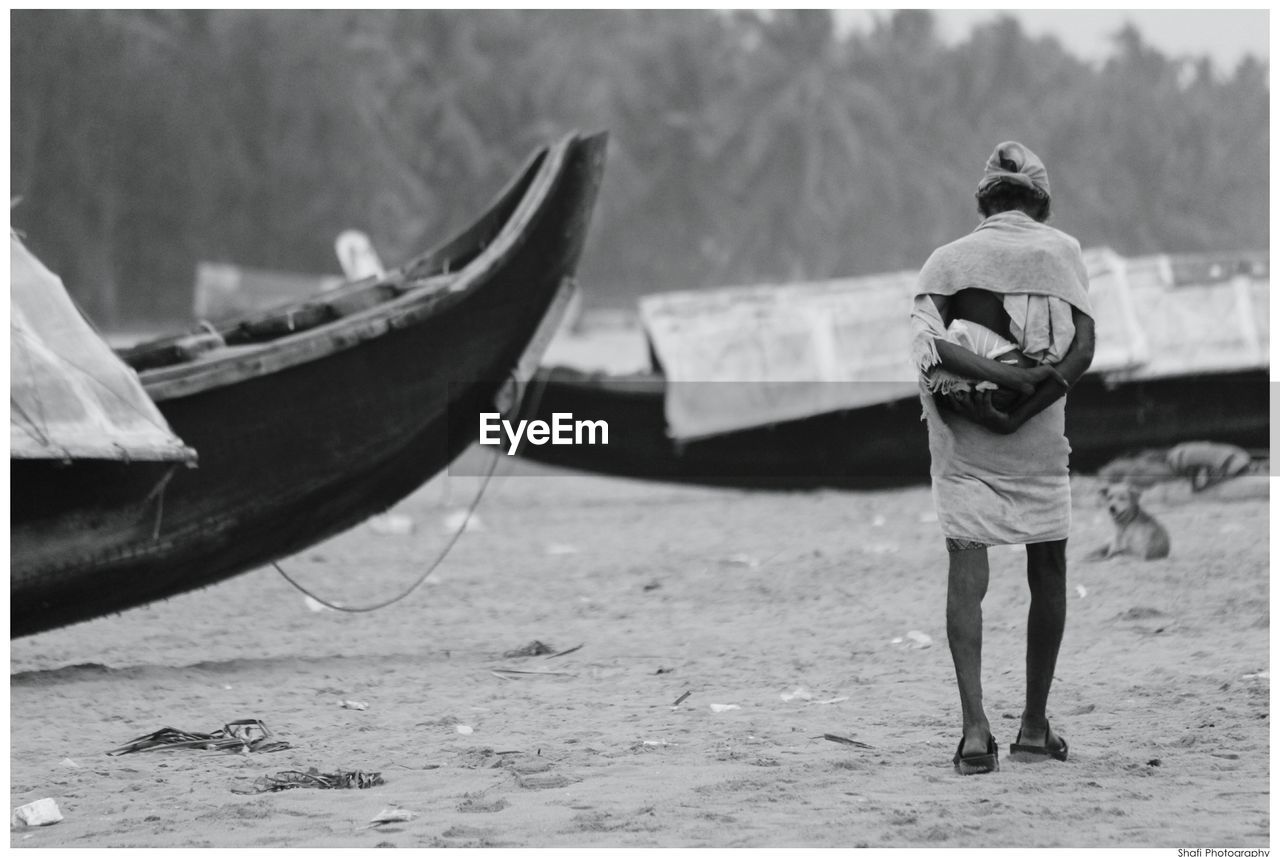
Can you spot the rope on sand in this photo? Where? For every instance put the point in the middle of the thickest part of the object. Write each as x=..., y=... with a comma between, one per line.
x=517, y=408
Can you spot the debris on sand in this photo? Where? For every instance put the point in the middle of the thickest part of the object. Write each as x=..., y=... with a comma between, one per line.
x=312, y=779
x=717, y=707
x=516, y=674
x=798, y=693
x=315, y=606
x=1141, y=613
x=919, y=639
x=530, y=650
x=840, y=739
x=682, y=697
x=1206, y=464
x=391, y=524
x=390, y=815
x=354, y=705
x=38, y=813
x=238, y=736
x=568, y=651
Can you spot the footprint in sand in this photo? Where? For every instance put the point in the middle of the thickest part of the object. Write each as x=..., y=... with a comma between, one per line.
x=480, y=804
x=462, y=831
x=543, y=781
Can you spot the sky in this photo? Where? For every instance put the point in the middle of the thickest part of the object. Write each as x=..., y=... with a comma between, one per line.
x=1226, y=36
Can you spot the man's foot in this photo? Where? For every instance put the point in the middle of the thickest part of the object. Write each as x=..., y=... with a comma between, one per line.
x=975, y=740
x=1038, y=739
x=986, y=761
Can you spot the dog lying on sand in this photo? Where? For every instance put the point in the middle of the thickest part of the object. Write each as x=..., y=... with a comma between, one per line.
x=1137, y=533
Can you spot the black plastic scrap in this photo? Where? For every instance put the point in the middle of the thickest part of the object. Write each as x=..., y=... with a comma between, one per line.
x=313, y=779
x=840, y=739
x=238, y=736
x=537, y=647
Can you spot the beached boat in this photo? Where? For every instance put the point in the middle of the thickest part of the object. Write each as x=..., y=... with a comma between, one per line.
x=1192, y=365
x=309, y=418
x=883, y=444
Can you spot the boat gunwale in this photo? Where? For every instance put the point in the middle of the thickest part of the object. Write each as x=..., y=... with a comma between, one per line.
x=414, y=306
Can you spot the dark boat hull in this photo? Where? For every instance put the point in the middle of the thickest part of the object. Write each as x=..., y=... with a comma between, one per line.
x=885, y=444
x=292, y=456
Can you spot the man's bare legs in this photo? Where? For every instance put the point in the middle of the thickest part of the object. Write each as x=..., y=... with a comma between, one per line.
x=966, y=587
x=1047, y=577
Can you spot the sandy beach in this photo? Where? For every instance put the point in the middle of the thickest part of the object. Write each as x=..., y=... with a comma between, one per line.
x=796, y=609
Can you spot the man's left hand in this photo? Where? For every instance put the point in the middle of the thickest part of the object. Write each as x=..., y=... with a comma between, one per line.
x=977, y=407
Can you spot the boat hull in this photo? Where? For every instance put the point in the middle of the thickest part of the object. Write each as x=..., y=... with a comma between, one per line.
x=885, y=444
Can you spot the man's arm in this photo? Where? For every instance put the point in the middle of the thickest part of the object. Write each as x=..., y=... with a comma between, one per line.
x=969, y=365
x=1073, y=365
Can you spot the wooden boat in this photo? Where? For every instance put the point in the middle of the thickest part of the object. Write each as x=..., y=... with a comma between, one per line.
x=309, y=418
x=884, y=444
x=1192, y=365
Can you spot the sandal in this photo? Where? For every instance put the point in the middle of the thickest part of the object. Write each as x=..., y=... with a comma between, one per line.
x=985, y=763
x=1058, y=752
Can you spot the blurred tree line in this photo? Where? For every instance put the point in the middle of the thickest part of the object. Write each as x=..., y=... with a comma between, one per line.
x=744, y=147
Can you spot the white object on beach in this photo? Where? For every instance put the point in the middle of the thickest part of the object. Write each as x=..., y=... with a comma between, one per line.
x=464, y=729
x=831, y=701
x=717, y=707
x=1081, y=591
x=36, y=814
x=458, y=518
x=391, y=524
x=313, y=605
x=69, y=763
x=1264, y=674
x=390, y=814
x=354, y=705
x=741, y=559
x=919, y=639
x=798, y=693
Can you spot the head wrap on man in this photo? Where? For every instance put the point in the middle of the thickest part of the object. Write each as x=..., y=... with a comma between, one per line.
x=1013, y=163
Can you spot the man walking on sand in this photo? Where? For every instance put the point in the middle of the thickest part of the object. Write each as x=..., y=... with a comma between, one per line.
x=1002, y=315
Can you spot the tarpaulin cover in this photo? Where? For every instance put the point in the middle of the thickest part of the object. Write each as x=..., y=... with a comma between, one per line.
x=747, y=356
x=70, y=396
